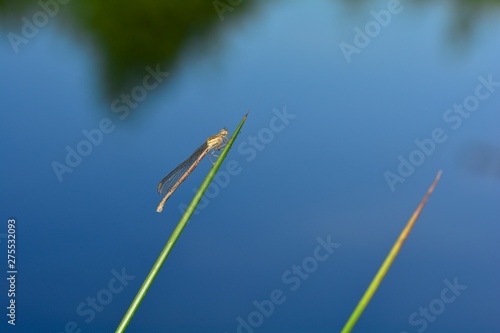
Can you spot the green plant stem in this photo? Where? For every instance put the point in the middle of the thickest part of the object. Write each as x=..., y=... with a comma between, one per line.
x=176, y=233
x=372, y=288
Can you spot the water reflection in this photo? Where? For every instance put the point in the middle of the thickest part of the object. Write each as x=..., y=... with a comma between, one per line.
x=481, y=158
x=129, y=36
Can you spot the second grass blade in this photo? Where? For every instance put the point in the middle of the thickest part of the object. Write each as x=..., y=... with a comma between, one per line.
x=387, y=262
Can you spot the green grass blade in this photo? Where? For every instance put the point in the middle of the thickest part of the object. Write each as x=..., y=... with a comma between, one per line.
x=372, y=288
x=176, y=233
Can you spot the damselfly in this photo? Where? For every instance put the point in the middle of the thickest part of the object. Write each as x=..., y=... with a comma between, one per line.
x=171, y=182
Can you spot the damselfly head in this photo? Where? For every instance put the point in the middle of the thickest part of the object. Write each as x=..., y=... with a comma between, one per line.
x=224, y=132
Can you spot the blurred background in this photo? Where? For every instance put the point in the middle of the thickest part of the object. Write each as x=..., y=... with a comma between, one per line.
x=354, y=107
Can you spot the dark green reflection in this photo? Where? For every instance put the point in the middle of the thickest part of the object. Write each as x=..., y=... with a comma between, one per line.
x=130, y=35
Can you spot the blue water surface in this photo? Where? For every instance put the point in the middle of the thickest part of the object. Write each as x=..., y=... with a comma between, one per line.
x=350, y=120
